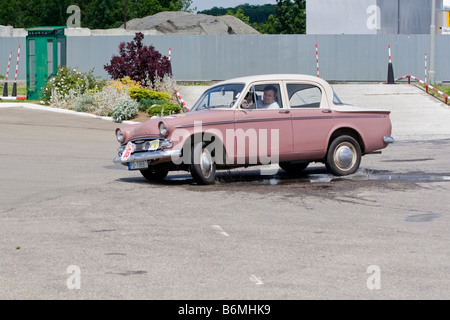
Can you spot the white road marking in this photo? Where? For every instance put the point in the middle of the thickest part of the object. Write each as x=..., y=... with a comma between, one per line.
x=79, y=204
x=220, y=230
x=256, y=280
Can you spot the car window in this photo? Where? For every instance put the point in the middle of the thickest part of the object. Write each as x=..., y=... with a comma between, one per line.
x=304, y=95
x=219, y=97
x=264, y=96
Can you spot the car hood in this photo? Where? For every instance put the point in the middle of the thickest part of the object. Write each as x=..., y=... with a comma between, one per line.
x=150, y=128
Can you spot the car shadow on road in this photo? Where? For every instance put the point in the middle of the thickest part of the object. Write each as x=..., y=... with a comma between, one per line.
x=314, y=181
x=248, y=176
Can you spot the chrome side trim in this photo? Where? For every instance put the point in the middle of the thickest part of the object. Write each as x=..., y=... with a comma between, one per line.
x=151, y=155
x=362, y=116
x=388, y=140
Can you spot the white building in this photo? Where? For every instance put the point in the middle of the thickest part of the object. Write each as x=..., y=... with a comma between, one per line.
x=374, y=16
x=446, y=17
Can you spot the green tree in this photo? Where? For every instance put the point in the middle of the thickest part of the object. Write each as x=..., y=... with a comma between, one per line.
x=256, y=13
x=101, y=14
x=33, y=13
x=239, y=14
x=10, y=12
x=290, y=18
x=286, y=17
x=268, y=27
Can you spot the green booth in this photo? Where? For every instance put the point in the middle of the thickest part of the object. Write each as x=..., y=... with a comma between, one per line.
x=46, y=51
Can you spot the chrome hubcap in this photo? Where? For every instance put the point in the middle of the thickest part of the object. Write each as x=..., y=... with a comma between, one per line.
x=345, y=156
x=206, y=163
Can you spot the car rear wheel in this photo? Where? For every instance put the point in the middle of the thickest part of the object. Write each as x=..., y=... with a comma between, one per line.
x=293, y=168
x=203, y=167
x=154, y=174
x=344, y=156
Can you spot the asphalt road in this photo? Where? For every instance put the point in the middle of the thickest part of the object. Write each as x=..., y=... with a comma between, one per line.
x=75, y=226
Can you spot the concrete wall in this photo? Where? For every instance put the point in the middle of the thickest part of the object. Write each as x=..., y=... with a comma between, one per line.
x=11, y=44
x=218, y=57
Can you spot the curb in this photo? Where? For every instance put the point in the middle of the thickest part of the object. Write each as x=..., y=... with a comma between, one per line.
x=65, y=111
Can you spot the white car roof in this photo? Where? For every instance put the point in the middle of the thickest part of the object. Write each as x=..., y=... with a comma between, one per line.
x=276, y=77
x=328, y=90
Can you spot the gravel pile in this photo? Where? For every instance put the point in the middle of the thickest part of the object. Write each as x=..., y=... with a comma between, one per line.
x=178, y=22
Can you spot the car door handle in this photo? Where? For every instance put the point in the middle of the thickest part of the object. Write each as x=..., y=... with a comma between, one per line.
x=283, y=111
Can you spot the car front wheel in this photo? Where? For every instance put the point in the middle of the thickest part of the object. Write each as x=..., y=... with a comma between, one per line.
x=203, y=167
x=344, y=156
x=293, y=168
x=154, y=175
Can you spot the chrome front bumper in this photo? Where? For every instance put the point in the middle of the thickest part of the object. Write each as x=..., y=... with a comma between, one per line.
x=151, y=155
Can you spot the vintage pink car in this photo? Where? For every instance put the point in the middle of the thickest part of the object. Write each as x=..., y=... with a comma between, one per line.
x=288, y=119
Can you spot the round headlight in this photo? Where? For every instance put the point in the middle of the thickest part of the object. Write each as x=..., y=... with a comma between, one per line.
x=119, y=136
x=162, y=129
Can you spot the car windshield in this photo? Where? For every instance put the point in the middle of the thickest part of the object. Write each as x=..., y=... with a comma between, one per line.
x=223, y=96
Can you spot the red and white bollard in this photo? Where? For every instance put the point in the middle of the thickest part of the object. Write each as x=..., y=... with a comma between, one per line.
x=317, y=61
x=425, y=67
x=170, y=62
x=5, y=88
x=14, y=91
x=390, y=79
x=390, y=56
x=181, y=101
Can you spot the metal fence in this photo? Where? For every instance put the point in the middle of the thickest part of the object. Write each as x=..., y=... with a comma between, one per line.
x=219, y=57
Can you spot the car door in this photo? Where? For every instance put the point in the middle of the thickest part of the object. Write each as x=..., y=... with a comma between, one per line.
x=311, y=119
x=262, y=135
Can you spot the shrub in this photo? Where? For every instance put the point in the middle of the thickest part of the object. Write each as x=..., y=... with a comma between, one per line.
x=139, y=94
x=84, y=103
x=63, y=101
x=68, y=82
x=74, y=90
x=129, y=83
x=166, y=83
x=146, y=103
x=163, y=109
x=141, y=63
x=107, y=98
x=159, y=95
x=124, y=110
x=124, y=84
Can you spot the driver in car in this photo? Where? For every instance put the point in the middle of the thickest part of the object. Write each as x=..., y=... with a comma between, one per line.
x=268, y=101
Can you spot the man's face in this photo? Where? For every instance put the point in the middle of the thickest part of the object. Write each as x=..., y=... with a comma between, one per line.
x=269, y=96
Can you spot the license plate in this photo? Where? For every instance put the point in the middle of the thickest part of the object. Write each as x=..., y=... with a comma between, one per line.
x=136, y=165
